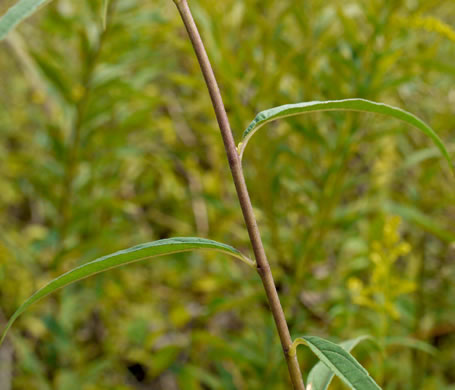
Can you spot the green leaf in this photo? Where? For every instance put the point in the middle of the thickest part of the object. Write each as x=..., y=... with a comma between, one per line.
x=320, y=376
x=16, y=14
x=411, y=343
x=340, y=105
x=126, y=256
x=416, y=216
x=104, y=13
x=422, y=155
x=340, y=362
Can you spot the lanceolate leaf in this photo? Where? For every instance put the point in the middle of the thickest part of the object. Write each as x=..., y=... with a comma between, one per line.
x=339, y=105
x=411, y=343
x=340, y=362
x=320, y=376
x=126, y=256
x=416, y=216
x=16, y=14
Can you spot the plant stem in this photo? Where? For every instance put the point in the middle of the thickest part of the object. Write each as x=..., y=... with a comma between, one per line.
x=263, y=266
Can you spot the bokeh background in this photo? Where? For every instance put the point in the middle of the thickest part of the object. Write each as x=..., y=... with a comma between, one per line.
x=108, y=139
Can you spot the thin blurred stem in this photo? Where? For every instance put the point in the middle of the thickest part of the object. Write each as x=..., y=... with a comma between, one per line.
x=30, y=69
x=194, y=179
x=418, y=365
x=75, y=137
x=263, y=266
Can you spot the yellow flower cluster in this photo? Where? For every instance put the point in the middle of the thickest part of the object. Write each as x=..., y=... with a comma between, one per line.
x=384, y=285
x=430, y=24
x=384, y=165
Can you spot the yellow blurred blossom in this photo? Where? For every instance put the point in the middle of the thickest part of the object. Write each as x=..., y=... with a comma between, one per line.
x=384, y=285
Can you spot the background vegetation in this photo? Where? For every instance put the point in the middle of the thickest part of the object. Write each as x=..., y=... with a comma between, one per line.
x=108, y=139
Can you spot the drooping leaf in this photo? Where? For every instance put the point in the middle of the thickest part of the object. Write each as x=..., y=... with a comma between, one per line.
x=411, y=343
x=361, y=105
x=443, y=67
x=320, y=375
x=126, y=256
x=416, y=216
x=17, y=13
x=340, y=362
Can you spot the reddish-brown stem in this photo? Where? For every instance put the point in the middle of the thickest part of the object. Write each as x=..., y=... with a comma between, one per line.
x=263, y=266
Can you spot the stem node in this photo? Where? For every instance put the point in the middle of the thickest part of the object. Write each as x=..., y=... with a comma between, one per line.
x=235, y=165
x=263, y=269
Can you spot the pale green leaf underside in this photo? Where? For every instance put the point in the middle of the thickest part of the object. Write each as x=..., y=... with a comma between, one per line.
x=361, y=105
x=126, y=256
x=340, y=362
x=17, y=13
x=320, y=375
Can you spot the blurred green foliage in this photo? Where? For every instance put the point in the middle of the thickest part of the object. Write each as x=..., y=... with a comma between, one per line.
x=108, y=139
